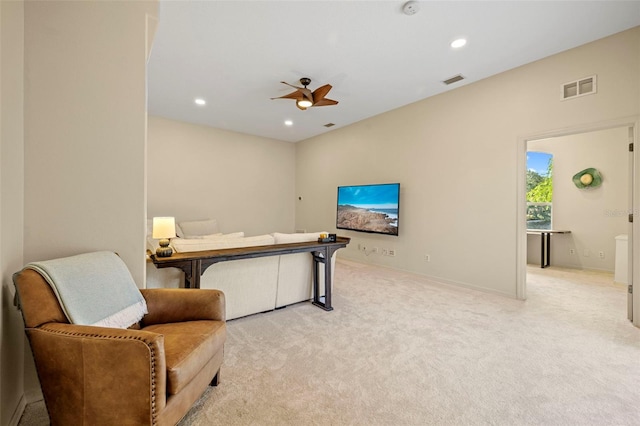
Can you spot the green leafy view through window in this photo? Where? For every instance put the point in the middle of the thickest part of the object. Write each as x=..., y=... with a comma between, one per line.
x=539, y=190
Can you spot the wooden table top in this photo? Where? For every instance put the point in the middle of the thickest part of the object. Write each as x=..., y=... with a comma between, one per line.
x=251, y=251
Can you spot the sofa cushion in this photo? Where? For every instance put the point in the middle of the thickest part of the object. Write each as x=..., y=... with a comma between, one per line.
x=195, y=228
x=300, y=237
x=188, y=346
x=182, y=245
x=221, y=236
x=201, y=237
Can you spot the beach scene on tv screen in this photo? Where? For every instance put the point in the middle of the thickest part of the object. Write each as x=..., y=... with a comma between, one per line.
x=369, y=208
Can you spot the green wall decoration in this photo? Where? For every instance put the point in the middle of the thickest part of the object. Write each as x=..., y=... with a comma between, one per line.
x=587, y=178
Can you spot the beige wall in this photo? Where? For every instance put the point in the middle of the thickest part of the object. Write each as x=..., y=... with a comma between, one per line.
x=73, y=128
x=85, y=120
x=594, y=216
x=456, y=157
x=244, y=182
x=11, y=206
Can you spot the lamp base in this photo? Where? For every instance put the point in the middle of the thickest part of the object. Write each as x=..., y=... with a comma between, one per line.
x=164, y=250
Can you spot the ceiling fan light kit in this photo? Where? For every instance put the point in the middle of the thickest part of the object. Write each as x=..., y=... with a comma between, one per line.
x=305, y=98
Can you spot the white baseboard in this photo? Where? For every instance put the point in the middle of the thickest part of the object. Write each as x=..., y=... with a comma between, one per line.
x=33, y=395
x=17, y=413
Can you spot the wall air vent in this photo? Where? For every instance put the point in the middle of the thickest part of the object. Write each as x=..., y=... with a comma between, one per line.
x=329, y=125
x=582, y=87
x=454, y=79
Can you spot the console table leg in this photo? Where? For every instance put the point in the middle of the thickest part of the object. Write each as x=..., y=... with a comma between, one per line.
x=196, y=272
x=327, y=282
x=326, y=259
x=316, y=286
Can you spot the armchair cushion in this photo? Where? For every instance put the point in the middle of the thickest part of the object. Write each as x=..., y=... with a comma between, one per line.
x=187, y=347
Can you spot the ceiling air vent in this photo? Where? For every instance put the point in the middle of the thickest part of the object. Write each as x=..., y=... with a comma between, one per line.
x=454, y=79
x=582, y=87
x=329, y=125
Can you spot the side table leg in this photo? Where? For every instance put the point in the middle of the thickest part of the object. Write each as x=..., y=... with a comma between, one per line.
x=548, y=249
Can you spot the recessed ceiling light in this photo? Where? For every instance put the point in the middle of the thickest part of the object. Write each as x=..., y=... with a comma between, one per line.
x=288, y=123
x=456, y=44
x=200, y=101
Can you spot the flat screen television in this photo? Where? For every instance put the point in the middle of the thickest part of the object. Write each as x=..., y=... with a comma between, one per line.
x=369, y=208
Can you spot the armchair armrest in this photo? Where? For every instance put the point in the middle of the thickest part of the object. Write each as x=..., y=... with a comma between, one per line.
x=109, y=370
x=168, y=305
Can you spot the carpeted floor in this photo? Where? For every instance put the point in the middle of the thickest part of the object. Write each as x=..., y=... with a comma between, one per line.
x=399, y=349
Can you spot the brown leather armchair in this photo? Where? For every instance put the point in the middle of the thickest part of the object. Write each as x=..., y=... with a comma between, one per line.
x=149, y=374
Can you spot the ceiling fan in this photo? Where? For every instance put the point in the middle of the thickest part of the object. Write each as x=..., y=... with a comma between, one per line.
x=307, y=99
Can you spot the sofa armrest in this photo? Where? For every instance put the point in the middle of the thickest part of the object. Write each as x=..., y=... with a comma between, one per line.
x=167, y=305
x=94, y=373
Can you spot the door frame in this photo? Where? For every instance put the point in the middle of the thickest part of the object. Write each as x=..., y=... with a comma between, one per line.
x=521, y=204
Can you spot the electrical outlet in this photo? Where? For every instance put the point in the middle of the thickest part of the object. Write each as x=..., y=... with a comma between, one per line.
x=572, y=251
x=392, y=252
x=375, y=250
x=601, y=254
x=427, y=258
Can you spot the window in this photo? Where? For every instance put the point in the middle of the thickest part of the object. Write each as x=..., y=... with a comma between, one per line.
x=539, y=190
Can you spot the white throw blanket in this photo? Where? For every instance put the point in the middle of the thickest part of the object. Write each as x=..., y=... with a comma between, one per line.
x=94, y=289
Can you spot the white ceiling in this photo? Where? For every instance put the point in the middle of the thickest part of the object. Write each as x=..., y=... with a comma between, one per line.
x=235, y=53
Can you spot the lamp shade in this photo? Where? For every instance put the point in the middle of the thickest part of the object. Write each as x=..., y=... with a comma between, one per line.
x=164, y=227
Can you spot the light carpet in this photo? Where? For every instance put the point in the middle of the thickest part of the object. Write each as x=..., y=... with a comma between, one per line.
x=400, y=349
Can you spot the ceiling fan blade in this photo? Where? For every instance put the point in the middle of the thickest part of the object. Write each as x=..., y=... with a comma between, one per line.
x=325, y=102
x=291, y=85
x=305, y=92
x=293, y=95
x=321, y=92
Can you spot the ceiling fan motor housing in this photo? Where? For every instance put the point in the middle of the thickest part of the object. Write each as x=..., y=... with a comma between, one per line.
x=305, y=81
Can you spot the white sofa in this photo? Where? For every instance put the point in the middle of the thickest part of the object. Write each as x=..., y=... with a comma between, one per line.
x=250, y=285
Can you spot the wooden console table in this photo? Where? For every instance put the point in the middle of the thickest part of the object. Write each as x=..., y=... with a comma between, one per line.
x=545, y=243
x=193, y=264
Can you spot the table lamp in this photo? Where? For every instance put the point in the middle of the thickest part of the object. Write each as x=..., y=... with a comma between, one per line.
x=164, y=228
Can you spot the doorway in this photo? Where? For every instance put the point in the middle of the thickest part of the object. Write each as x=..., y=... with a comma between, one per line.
x=608, y=206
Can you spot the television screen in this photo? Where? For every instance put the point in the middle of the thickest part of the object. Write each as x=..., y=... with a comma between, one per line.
x=369, y=208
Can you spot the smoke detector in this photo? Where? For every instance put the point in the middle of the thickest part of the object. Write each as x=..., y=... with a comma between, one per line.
x=411, y=8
